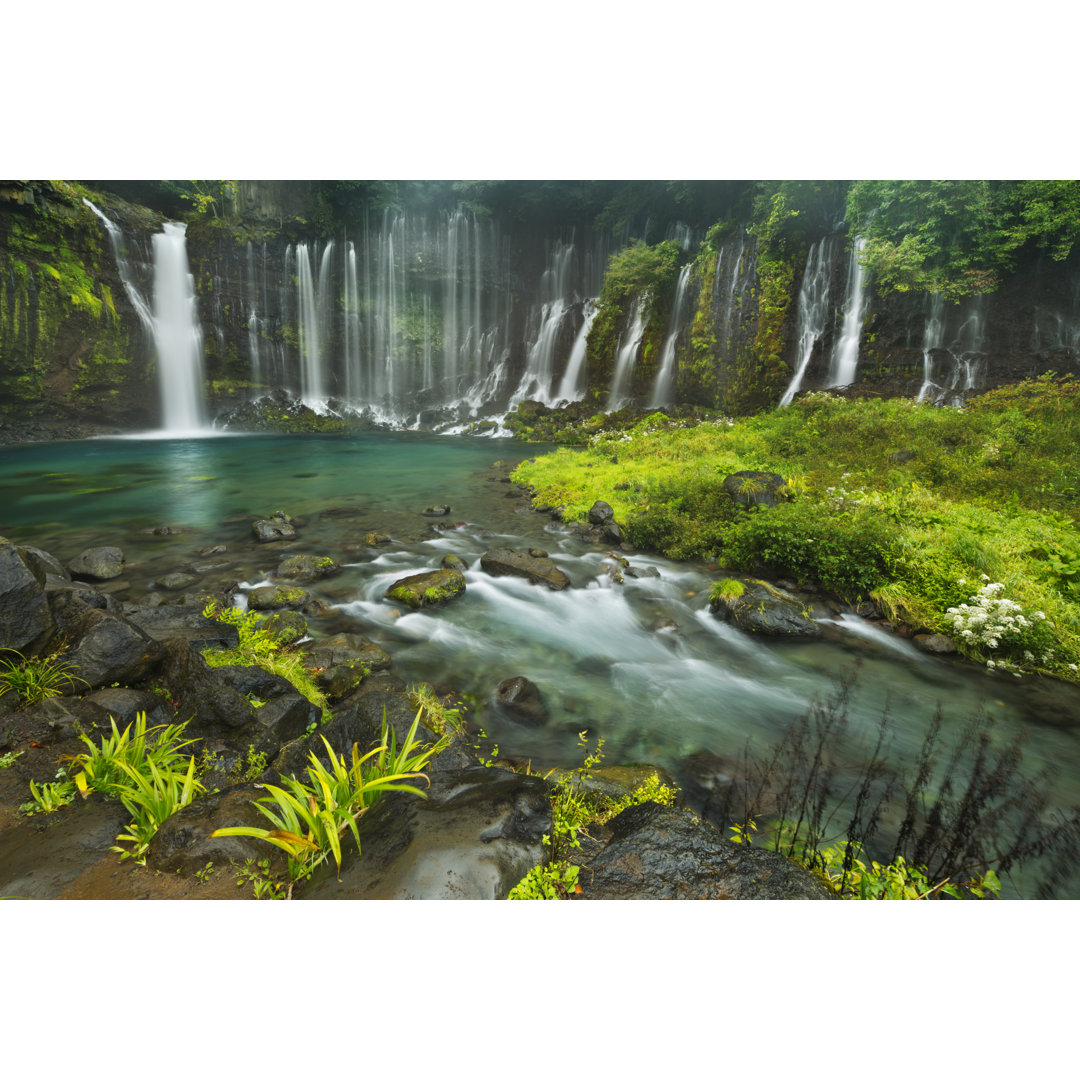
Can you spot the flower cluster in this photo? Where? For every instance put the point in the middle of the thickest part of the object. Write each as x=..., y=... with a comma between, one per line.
x=839, y=498
x=990, y=618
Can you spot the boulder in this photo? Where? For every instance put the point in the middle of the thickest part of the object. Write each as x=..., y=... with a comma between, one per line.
x=162, y=622
x=503, y=561
x=521, y=700
x=373, y=539
x=440, y=510
x=184, y=842
x=450, y=561
x=938, y=644
x=306, y=568
x=106, y=648
x=658, y=852
x=429, y=589
x=203, y=695
x=97, y=564
x=600, y=513
x=279, y=526
x=751, y=488
x=26, y=618
x=285, y=627
x=269, y=597
x=342, y=662
x=474, y=837
x=761, y=608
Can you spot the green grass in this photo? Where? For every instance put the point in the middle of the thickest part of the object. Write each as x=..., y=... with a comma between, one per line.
x=991, y=491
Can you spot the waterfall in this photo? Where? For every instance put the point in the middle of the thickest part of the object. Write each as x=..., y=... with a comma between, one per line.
x=629, y=343
x=177, y=334
x=123, y=266
x=353, y=380
x=813, y=311
x=845, y=358
x=664, y=377
x=932, y=337
x=311, y=374
x=539, y=360
x=568, y=388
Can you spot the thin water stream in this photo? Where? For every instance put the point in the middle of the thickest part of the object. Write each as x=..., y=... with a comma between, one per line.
x=644, y=664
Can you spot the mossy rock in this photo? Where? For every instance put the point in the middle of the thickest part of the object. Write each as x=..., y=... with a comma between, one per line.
x=285, y=627
x=428, y=589
x=269, y=597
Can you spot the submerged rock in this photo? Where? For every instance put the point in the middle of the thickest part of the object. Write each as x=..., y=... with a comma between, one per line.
x=278, y=526
x=429, y=589
x=508, y=562
x=521, y=700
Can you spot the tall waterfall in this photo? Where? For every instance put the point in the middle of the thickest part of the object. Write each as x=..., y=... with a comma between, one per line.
x=629, y=344
x=933, y=332
x=662, y=388
x=536, y=382
x=177, y=334
x=570, y=389
x=813, y=310
x=845, y=358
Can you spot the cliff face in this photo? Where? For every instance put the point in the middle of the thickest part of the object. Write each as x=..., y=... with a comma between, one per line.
x=71, y=346
x=438, y=316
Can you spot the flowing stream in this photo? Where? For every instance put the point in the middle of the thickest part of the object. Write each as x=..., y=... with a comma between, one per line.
x=645, y=665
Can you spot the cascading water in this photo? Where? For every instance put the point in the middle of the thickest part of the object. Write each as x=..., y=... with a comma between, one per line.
x=123, y=266
x=177, y=334
x=629, y=344
x=845, y=358
x=813, y=310
x=932, y=337
x=570, y=388
x=661, y=394
x=536, y=382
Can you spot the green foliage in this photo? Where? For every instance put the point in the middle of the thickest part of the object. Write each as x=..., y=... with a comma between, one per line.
x=257, y=646
x=9, y=759
x=34, y=679
x=991, y=489
x=151, y=794
x=310, y=818
x=959, y=236
x=264, y=885
x=573, y=808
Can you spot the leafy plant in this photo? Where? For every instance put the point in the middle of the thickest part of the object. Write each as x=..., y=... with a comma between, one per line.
x=34, y=679
x=264, y=885
x=309, y=819
x=9, y=759
x=151, y=795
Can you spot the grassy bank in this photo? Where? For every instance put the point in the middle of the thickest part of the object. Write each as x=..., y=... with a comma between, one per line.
x=917, y=507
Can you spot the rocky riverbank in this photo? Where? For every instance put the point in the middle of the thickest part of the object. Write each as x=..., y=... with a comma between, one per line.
x=123, y=644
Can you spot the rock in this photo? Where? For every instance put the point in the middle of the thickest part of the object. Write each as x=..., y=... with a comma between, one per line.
x=124, y=705
x=215, y=549
x=501, y=562
x=935, y=643
x=451, y=561
x=428, y=589
x=751, y=488
x=184, y=842
x=600, y=513
x=65, y=717
x=764, y=609
x=614, y=781
x=372, y=539
x=97, y=564
x=105, y=648
x=440, y=510
x=26, y=618
x=641, y=571
x=285, y=627
x=664, y=853
x=204, y=696
x=269, y=597
x=164, y=622
x=307, y=568
x=474, y=837
x=42, y=856
x=279, y=526
x=36, y=560
x=342, y=662
x=176, y=582
x=521, y=700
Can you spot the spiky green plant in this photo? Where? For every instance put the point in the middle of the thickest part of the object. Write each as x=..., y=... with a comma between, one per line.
x=151, y=795
x=34, y=679
x=309, y=819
